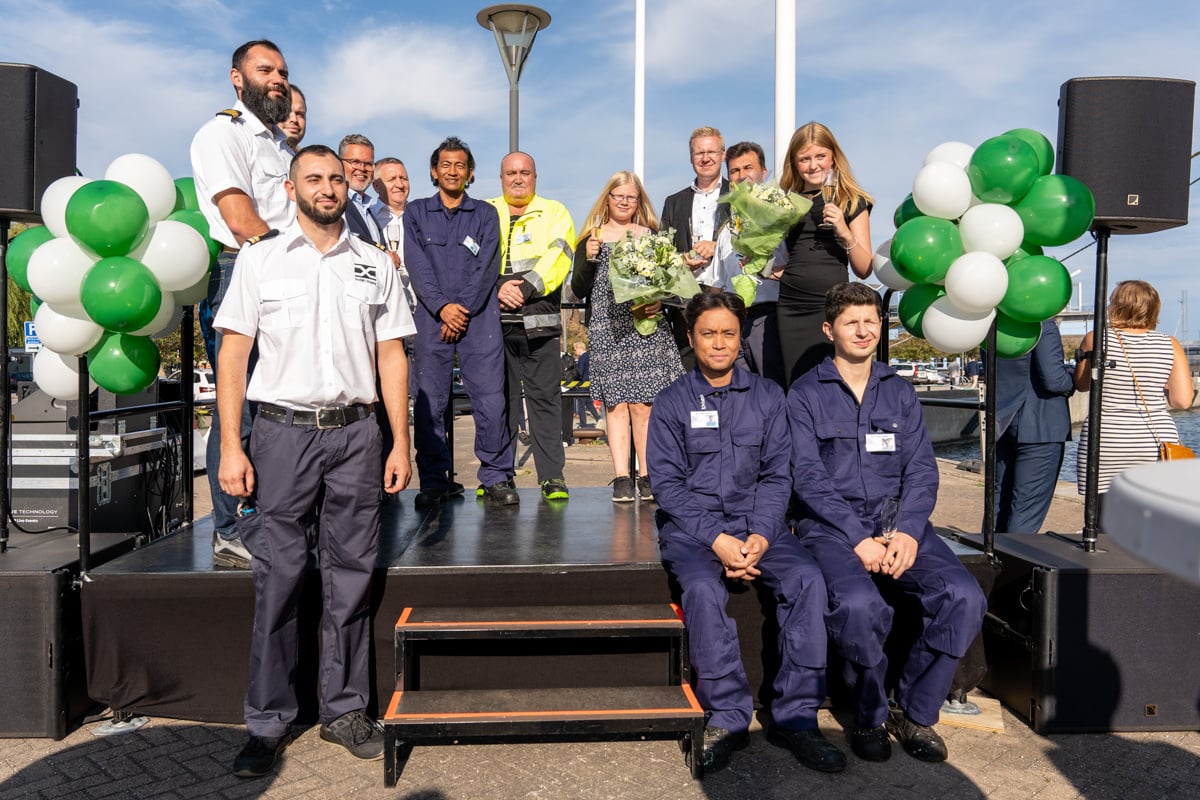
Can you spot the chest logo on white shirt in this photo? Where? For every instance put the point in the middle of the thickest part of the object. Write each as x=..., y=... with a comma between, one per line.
x=365, y=273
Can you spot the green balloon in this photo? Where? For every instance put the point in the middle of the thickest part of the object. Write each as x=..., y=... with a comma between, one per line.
x=924, y=248
x=1058, y=209
x=915, y=301
x=34, y=305
x=196, y=221
x=1024, y=251
x=20, y=249
x=1038, y=288
x=906, y=211
x=185, y=195
x=1041, y=146
x=107, y=217
x=1002, y=169
x=1014, y=337
x=124, y=364
x=120, y=294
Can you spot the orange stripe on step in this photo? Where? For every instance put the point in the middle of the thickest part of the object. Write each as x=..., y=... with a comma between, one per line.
x=392, y=717
x=533, y=622
x=691, y=696
x=404, y=615
x=396, y=695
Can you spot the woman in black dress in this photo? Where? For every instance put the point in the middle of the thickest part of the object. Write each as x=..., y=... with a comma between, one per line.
x=818, y=256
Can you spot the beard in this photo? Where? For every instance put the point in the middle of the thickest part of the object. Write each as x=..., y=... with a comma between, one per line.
x=258, y=99
x=319, y=216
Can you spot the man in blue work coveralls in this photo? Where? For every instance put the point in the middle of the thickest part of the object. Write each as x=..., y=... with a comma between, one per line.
x=718, y=457
x=452, y=251
x=864, y=472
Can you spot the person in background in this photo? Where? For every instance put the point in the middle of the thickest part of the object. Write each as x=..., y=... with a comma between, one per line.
x=583, y=367
x=628, y=370
x=821, y=245
x=358, y=155
x=719, y=452
x=1033, y=423
x=297, y=122
x=1147, y=374
x=866, y=479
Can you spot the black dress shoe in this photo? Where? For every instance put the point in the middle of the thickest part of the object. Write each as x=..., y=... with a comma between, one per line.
x=718, y=746
x=871, y=744
x=810, y=748
x=920, y=741
x=259, y=755
x=502, y=494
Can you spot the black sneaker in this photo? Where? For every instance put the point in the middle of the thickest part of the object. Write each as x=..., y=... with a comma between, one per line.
x=428, y=498
x=920, y=741
x=357, y=733
x=555, y=489
x=643, y=488
x=622, y=489
x=502, y=493
x=718, y=746
x=871, y=744
x=259, y=755
x=810, y=748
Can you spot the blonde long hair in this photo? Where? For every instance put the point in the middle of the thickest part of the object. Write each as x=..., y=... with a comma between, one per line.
x=644, y=215
x=850, y=196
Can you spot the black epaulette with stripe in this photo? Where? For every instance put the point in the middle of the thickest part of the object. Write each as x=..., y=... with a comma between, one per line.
x=229, y=112
x=261, y=236
x=371, y=242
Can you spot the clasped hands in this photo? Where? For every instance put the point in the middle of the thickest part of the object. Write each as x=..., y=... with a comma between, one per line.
x=454, y=318
x=740, y=558
x=888, y=558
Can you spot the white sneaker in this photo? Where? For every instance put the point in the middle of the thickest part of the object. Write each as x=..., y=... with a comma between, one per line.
x=230, y=553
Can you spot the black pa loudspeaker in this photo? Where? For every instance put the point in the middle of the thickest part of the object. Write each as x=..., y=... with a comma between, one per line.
x=1129, y=140
x=38, y=116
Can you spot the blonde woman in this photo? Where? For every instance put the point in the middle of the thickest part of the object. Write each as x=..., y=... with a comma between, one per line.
x=627, y=369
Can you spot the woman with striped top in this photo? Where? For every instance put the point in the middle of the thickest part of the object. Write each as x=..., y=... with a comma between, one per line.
x=1133, y=422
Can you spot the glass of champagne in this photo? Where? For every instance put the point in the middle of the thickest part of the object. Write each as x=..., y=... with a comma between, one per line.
x=889, y=516
x=829, y=185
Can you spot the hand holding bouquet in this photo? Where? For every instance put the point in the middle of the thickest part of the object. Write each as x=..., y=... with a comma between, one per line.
x=760, y=215
x=647, y=268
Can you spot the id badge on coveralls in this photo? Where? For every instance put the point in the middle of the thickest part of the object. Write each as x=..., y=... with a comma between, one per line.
x=705, y=417
x=881, y=442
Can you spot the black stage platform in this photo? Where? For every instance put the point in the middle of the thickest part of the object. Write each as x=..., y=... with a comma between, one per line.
x=168, y=634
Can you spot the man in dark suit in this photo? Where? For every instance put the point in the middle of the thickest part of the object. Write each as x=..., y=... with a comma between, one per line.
x=358, y=158
x=1033, y=422
x=696, y=216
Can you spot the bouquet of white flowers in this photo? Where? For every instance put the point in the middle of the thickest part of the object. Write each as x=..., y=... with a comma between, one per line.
x=646, y=269
x=760, y=215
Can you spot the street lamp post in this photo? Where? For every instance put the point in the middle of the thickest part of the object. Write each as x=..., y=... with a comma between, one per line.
x=515, y=26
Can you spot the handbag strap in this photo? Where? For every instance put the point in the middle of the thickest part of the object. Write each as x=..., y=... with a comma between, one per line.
x=1137, y=386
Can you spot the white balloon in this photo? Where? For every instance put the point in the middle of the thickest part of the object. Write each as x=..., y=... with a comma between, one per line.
x=942, y=190
x=149, y=179
x=166, y=309
x=991, y=228
x=54, y=202
x=64, y=334
x=885, y=270
x=58, y=375
x=175, y=253
x=56, y=271
x=171, y=325
x=193, y=294
x=956, y=153
x=950, y=329
x=976, y=282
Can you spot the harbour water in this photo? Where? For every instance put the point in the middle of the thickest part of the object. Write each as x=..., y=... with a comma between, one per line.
x=1188, y=423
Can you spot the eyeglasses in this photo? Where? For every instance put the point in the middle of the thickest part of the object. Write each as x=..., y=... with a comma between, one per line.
x=621, y=199
x=713, y=154
x=356, y=164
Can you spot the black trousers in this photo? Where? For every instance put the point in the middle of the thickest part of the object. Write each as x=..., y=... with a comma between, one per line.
x=536, y=366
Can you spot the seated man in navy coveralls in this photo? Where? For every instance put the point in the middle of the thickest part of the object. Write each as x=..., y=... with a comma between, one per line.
x=718, y=457
x=859, y=444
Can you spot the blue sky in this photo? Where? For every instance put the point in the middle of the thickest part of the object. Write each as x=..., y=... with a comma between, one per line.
x=892, y=79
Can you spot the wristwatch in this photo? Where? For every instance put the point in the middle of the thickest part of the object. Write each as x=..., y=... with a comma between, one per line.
x=1081, y=355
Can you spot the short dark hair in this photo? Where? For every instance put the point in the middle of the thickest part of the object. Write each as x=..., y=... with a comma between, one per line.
x=707, y=301
x=310, y=150
x=239, y=55
x=741, y=148
x=843, y=295
x=296, y=90
x=452, y=144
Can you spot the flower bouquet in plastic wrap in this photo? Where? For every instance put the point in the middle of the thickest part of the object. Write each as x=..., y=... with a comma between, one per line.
x=760, y=215
x=647, y=269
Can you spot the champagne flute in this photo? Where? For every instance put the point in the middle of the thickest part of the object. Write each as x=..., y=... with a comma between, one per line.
x=889, y=515
x=829, y=186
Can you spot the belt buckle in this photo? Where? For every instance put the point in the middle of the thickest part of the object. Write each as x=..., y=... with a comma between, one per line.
x=324, y=414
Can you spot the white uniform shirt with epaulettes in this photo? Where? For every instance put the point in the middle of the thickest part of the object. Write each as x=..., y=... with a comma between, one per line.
x=317, y=317
x=235, y=150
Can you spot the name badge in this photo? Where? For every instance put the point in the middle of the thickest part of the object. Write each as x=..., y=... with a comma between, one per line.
x=470, y=244
x=705, y=419
x=522, y=238
x=881, y=442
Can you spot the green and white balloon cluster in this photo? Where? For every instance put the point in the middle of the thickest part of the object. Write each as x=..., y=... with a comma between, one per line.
x=113, y=267
x=969, y=239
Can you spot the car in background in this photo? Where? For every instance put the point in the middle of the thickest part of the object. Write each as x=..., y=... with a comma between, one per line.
x=918, y=374
x=204, y=385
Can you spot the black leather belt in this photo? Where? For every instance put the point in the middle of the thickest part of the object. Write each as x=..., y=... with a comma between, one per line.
x=322, y=418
